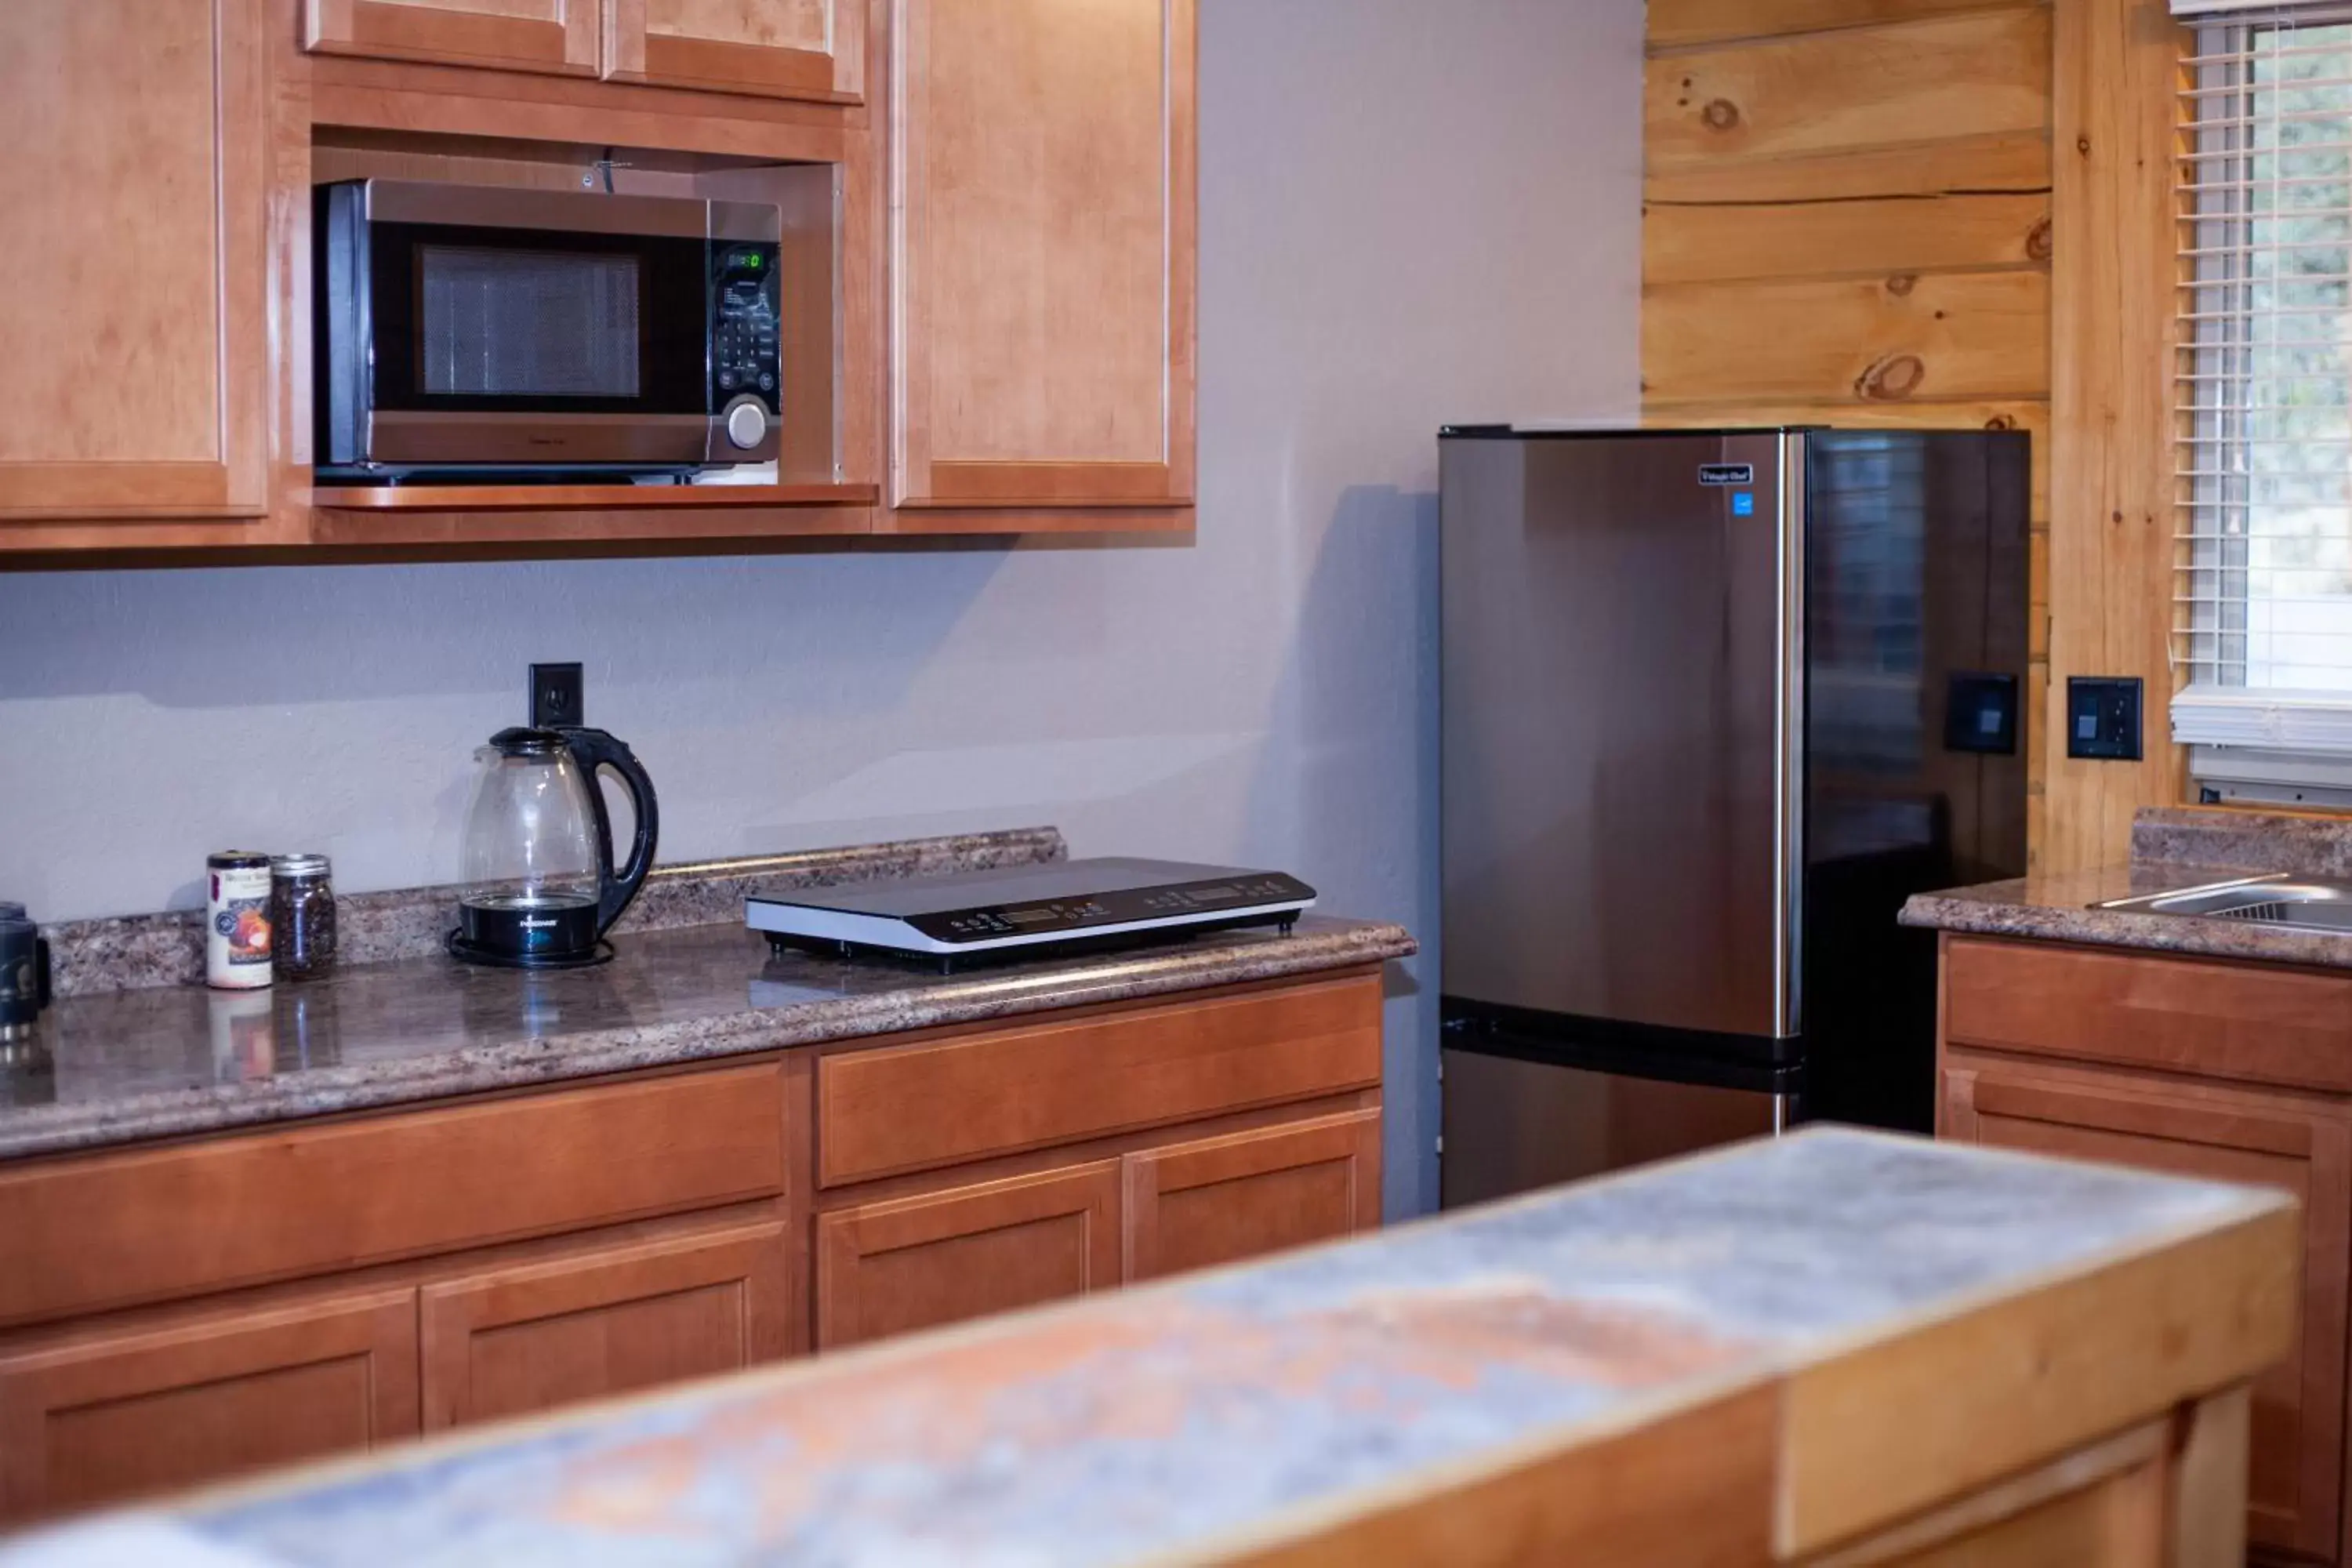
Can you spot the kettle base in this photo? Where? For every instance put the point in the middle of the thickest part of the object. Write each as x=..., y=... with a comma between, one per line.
x=494, y=958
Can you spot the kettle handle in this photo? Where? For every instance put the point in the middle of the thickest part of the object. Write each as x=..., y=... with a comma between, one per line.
x=595, y=750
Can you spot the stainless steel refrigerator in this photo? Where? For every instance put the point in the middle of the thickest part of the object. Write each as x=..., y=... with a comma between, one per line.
x=1714, y=703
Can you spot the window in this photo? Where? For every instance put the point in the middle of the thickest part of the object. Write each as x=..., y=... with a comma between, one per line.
x=2263, y=628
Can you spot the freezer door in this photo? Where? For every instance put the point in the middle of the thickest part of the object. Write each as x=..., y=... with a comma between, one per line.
x=1622, y=706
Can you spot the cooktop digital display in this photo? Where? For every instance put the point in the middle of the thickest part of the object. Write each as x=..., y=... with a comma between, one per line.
x=1027, y=906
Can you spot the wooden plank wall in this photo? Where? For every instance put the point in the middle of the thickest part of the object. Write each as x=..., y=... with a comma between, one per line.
x=1847, y=220
x=2116, y=120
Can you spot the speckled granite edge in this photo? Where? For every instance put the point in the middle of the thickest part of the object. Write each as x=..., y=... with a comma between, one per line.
x=2297, y=844
x=135, y=952
x=2007, y=908
x=1313, y=946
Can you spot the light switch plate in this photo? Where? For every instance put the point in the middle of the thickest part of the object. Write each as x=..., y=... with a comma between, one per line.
x=2103, y=716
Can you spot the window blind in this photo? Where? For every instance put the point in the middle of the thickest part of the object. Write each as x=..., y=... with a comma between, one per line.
x=2263, y=607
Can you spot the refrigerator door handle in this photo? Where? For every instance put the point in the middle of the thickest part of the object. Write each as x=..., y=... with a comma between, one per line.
x=1789, y=736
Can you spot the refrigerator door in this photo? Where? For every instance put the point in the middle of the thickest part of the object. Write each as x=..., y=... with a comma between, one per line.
x=1622, y=708
x=1916, y=643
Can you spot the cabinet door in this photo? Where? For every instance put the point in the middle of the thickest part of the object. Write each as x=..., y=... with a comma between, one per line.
x=1221, y=1199
x=782, y=49
x=963, y=1252
x=131, y=327
x=1042, y=258
x=2303, y=1146
x=508, y=1340
x=558, y=37
x=98, y=1419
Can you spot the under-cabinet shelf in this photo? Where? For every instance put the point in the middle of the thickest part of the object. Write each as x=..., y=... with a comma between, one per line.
x=595, y=498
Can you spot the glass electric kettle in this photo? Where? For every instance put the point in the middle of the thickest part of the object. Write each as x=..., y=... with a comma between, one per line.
x=538, y=887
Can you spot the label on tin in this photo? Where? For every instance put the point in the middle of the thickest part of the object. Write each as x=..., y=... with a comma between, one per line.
x=237, y=928
x=244, y=925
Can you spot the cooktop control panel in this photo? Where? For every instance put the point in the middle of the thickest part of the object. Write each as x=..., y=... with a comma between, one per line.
x=1175, y=904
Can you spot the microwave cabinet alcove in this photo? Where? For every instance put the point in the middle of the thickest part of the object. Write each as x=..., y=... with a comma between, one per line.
x=1005, y=342
x=185, y=1311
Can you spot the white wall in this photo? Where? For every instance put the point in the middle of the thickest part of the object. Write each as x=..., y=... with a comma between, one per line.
x=1409, y=214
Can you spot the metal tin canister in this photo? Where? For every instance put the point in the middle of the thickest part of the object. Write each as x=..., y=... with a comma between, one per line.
x=236, y=920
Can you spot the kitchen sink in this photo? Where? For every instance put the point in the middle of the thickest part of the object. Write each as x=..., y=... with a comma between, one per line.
x=2290, y=903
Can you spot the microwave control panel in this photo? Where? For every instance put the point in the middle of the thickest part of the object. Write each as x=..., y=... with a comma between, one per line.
x=743, y=348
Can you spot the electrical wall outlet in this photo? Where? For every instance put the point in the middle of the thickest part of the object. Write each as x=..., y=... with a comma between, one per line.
x=559, y=698
x=2103, y=716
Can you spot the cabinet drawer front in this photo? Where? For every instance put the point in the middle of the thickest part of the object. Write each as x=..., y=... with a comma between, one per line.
x=964, y=1252
x=109, y=1230
x=2216, y=1020
x=1219, y=1200
x=1005, y=1090
x=508, y=1341
x=113, y=1416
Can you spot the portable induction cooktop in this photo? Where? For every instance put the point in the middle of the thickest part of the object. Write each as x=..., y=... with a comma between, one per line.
x=1028, y=911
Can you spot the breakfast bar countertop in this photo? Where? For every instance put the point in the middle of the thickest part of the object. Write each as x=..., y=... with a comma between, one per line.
x=1770, y=1349
x=2172, y=850
x=689, y=983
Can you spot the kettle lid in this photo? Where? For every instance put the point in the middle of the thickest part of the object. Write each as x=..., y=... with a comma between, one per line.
x=523, y=742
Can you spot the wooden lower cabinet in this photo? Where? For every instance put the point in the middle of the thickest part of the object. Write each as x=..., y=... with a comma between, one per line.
x=428, y=1267
x=507, y=1341
x=1219, y=1200
x=2298, y=1142
x=965, y=1251
x=969, y=1249
x=109, y=1416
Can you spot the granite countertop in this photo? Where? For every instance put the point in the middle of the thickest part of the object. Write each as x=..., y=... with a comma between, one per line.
x=2172, y=850
x=1252, y=1404
x=115, y=1066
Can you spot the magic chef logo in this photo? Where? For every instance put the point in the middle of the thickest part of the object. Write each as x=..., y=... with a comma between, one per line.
x=1727, y=473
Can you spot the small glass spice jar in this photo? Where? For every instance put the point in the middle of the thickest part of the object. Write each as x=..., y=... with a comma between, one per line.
x=302, y=916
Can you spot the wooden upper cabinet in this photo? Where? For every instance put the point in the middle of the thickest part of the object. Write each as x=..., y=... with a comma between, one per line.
x=512, y=1340
x=1219, y=1200
x=779, y=49
x=774, y=48
x=102, y=1418
x=1042, y=253
x=131, y=328
x=560, y=37
x=2300, y=1145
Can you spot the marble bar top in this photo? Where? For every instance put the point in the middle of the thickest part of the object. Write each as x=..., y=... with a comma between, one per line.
x=1222, y=1412
x=2172, y=850
x=167, y=1061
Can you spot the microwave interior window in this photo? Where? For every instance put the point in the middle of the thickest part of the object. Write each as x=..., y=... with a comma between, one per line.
x=527, y=324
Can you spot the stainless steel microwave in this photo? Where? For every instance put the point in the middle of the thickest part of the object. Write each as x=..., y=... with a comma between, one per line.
x=467, y=329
